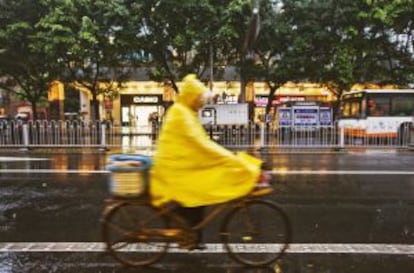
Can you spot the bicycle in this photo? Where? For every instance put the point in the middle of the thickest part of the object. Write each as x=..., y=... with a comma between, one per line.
x=137, y=233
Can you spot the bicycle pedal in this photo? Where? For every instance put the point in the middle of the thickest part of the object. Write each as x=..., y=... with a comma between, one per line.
x=171, y=232
x=185, y=245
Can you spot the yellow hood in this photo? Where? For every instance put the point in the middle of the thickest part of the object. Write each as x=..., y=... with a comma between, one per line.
x=191, y=90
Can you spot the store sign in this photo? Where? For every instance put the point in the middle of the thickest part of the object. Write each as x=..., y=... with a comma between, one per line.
x=305, y=117
x=261, y=101
x=145, y=99
x=325, y=116
x=280, y=100
x=284, y=116
x=141, y=100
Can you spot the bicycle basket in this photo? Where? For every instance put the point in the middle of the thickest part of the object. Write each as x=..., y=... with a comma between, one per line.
x=129, y=175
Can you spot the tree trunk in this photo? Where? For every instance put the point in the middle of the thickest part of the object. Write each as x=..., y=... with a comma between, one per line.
x=272, y=92
x=34, y=110
x=95, y=107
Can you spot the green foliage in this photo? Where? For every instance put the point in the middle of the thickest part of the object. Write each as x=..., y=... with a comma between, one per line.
x=26, y=72
x=333, y=42
x=91, y=39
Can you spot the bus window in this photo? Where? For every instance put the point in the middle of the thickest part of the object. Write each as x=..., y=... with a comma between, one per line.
x=346, y=110
x=355, y=109
x=402, y=106
x=351, y=109
x=378, y=106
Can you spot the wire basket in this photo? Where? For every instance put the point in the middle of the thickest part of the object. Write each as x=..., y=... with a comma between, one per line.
x=129, y=175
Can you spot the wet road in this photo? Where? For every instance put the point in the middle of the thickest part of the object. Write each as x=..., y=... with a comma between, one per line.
x=350, y=212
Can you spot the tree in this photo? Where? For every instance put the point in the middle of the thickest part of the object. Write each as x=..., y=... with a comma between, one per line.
x=239, y=31
x=335, y=42
x=361, y=45
x=26, y=72
x=95, y=41
x=276, y=59
x=393, y=19
x=180, y=44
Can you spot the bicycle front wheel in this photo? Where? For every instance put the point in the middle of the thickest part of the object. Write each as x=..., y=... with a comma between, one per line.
x=256, y=233
x=129, y=231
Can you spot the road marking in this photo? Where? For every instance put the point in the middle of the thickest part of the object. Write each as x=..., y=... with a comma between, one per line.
x=340, y=172
x=53, y=171
x=273, y=172
x=390, y=249
x=14, y=159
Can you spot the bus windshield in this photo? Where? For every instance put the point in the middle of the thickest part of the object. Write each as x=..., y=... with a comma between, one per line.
x=351, y=108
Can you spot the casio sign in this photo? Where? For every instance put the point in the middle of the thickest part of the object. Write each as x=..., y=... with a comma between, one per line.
x=142, y=99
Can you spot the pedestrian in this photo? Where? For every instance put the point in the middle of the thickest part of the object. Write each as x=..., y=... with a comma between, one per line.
x=153, y=120
x=191, y=169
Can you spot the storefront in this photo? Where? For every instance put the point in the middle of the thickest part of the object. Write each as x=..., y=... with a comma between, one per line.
x=260, y=102
x=140, y=110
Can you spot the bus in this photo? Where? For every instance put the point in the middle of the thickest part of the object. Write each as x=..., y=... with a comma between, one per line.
x=377, y=113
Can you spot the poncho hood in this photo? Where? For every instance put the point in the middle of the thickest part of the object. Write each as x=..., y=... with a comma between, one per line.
x=190, y=91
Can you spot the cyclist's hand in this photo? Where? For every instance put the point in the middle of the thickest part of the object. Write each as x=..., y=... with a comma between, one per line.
x=264, y=180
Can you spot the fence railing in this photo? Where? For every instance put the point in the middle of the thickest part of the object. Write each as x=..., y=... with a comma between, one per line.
x=103, y=135
x=266, y=135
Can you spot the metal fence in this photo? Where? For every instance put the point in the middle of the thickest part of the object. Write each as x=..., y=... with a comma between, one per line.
x=106, y=135
x=266, y=135
x=52, y=133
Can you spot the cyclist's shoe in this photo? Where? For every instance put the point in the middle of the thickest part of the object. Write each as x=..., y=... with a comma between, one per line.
x=188, y=240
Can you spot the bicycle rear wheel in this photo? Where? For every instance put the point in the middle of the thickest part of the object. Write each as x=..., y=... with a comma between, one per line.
x=256, y=233
x=129, y=230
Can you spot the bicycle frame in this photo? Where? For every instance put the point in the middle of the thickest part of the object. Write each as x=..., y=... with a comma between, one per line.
x=218, y=209
x=175, y=229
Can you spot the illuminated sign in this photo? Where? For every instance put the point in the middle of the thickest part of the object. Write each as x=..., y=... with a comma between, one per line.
x=145, y=99
x=284, y=116
x=141, y=99
x=305, y=117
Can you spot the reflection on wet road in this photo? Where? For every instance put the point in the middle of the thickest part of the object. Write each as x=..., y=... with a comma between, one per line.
x=349, y=213
x=201, y=263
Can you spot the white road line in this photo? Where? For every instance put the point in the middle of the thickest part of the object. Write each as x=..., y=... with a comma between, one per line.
x=388, y=249
x=341, y=172
x=52, y=171
x=274, y=172
x=14, y=159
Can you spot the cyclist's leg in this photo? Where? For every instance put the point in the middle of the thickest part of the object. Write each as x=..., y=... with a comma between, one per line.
x=193, y=216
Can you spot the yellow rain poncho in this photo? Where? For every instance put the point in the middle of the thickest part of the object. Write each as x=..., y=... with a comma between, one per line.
x=189, y=167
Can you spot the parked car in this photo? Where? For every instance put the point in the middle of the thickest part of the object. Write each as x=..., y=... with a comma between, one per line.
x=22, y=117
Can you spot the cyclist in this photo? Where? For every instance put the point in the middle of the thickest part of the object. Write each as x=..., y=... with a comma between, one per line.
x=191, y=169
